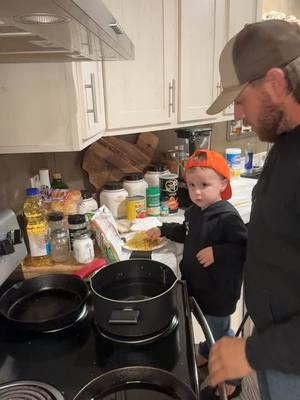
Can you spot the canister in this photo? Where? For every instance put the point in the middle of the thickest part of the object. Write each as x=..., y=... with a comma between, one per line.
x=153, y=173
x=169, y=191
x=136, y=207
x=233, y=158
x=153, y=201
x=113, y=196
x=135, y=184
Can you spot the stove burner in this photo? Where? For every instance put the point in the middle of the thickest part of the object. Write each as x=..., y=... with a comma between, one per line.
x=141, y=339
x=29, y=390
x=80, y=317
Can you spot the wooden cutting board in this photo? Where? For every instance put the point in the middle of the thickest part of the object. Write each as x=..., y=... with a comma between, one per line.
x=111, y=158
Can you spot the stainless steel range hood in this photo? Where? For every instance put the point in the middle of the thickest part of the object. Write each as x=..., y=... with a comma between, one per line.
x=60, y=30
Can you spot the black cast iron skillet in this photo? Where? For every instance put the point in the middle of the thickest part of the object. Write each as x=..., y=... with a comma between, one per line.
x=144, y=383
x=46, y=302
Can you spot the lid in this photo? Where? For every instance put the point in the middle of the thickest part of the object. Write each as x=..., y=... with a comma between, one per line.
x=57, y=175
x=157, y=167
x=152, y=190
x=135, y=176
x=56, y=216
x=76, y=219
x=113, y=185
x=82, y=235
x=32, y=192
x=86, y=194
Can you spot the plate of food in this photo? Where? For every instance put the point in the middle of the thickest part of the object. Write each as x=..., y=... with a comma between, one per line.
x=140, y=241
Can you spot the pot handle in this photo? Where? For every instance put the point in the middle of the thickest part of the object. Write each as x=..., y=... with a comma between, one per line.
x=126, y=316
x=208, y=336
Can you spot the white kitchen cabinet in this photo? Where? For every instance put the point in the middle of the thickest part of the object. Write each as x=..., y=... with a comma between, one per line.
x=50, y=107
x=141, y=93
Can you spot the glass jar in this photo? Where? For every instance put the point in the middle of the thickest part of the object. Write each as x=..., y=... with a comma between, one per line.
x=60, y=245
x=55, y=221
x=77, y=225
x=135, y=184
x=83, y=248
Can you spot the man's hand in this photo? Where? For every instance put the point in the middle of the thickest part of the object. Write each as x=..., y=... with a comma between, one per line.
x=206, y=256
x=227, y=360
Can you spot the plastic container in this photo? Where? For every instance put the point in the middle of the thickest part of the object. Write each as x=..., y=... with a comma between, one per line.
x=37, y=228
x=153, y=172
x=77, y=226
x=233, y=157
x=83, y=249
x=135, y=184
x=153, y=201
x=248, y=158
x=113, y=196
x=88, y=205
x=60, y=245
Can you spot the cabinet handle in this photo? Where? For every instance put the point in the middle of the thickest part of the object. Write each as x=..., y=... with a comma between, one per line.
x=171, y=97
x=92, y=86
x=219, y=87
x=116, y=27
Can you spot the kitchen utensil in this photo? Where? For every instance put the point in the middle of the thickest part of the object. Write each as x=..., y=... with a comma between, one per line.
x=47, y=302
x=142, y=382
x=134, y=298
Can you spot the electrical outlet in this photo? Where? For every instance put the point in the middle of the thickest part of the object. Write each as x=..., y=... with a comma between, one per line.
x=35, y=181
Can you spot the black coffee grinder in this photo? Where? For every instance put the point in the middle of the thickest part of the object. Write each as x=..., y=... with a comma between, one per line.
x=194, y=138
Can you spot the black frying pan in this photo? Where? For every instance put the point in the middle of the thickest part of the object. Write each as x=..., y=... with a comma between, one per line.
x=44, y=303
x=145, y=383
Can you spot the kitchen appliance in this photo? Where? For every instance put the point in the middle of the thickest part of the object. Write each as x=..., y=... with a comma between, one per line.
x=12, y=246
x=68, y=360
x=60, y=31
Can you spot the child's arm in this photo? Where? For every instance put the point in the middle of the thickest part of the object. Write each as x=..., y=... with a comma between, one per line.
x=174, y=231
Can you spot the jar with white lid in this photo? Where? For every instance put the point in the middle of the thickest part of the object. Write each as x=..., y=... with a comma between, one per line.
x=135, y=184
x=83, y=249
x=153, y=172
x=113, y=196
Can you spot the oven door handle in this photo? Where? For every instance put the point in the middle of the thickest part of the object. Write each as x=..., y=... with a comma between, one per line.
x=208, y=336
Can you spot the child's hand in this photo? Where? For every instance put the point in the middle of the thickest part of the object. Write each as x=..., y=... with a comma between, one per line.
x=206, y=256
x=153, y=233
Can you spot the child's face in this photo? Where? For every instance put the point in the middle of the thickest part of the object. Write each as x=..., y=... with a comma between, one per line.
x=205, y=186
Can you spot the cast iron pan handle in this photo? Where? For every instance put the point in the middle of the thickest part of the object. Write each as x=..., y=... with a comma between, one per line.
x=126, y=316
x=208, y=336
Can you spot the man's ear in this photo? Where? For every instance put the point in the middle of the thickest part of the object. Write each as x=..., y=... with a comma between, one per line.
x=276, y=85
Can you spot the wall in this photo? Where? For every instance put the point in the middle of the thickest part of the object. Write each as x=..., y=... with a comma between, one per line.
x=16, y=169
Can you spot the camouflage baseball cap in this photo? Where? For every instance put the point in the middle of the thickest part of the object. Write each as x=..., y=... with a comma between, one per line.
x=251, y=53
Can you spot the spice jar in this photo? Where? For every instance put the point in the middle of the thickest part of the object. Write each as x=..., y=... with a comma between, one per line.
x=55, y=221
x=77, y=225
x=113, y=196
x=135, y=184
x=88, y=205
x=83, y=248
x=153, y=201
x=60, y=245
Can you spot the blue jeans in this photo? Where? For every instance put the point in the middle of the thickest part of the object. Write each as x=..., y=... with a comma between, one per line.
x=219, y=326
x=275, y=385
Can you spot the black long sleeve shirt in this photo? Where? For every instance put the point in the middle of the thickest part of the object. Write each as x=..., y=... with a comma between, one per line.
x=216, y=288
x=272, y=270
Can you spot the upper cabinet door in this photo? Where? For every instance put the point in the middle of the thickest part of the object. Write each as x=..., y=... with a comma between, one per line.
x=141, y=92
x=197, y=36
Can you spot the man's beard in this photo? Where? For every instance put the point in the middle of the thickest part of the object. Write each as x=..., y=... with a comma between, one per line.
x=271, y=121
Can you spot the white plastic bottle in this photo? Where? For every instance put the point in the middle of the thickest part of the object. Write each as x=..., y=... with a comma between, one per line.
x=135, y=184
x=113, y=196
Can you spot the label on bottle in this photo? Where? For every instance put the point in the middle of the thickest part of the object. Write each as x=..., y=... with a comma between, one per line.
x=39, y=245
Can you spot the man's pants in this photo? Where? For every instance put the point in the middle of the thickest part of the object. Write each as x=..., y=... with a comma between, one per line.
x=275, y=385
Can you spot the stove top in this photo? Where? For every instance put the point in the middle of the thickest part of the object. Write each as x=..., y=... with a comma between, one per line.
x=69, y=359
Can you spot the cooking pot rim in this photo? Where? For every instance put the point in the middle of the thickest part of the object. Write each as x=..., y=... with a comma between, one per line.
x=132, y=301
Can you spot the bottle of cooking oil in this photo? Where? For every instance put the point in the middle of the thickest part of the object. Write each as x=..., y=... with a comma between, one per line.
x=36, y=228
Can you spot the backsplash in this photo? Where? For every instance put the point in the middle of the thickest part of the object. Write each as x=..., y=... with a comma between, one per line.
x=16, y=169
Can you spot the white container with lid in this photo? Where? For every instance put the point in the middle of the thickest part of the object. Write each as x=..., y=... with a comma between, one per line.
x=83, y=249
x=153, y=172
x=233, y=158
x=135, y=184
x=113, y=196
x=88, y=205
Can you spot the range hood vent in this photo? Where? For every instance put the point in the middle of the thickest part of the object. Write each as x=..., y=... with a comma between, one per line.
x=60, y=31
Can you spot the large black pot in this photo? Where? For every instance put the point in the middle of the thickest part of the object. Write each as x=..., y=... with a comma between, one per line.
x=134, y=298
x=136, y=383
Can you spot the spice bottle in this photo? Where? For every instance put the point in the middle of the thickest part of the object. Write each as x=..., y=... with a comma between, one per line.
x=83, y=248
x=153, y=201
x=77, y=225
